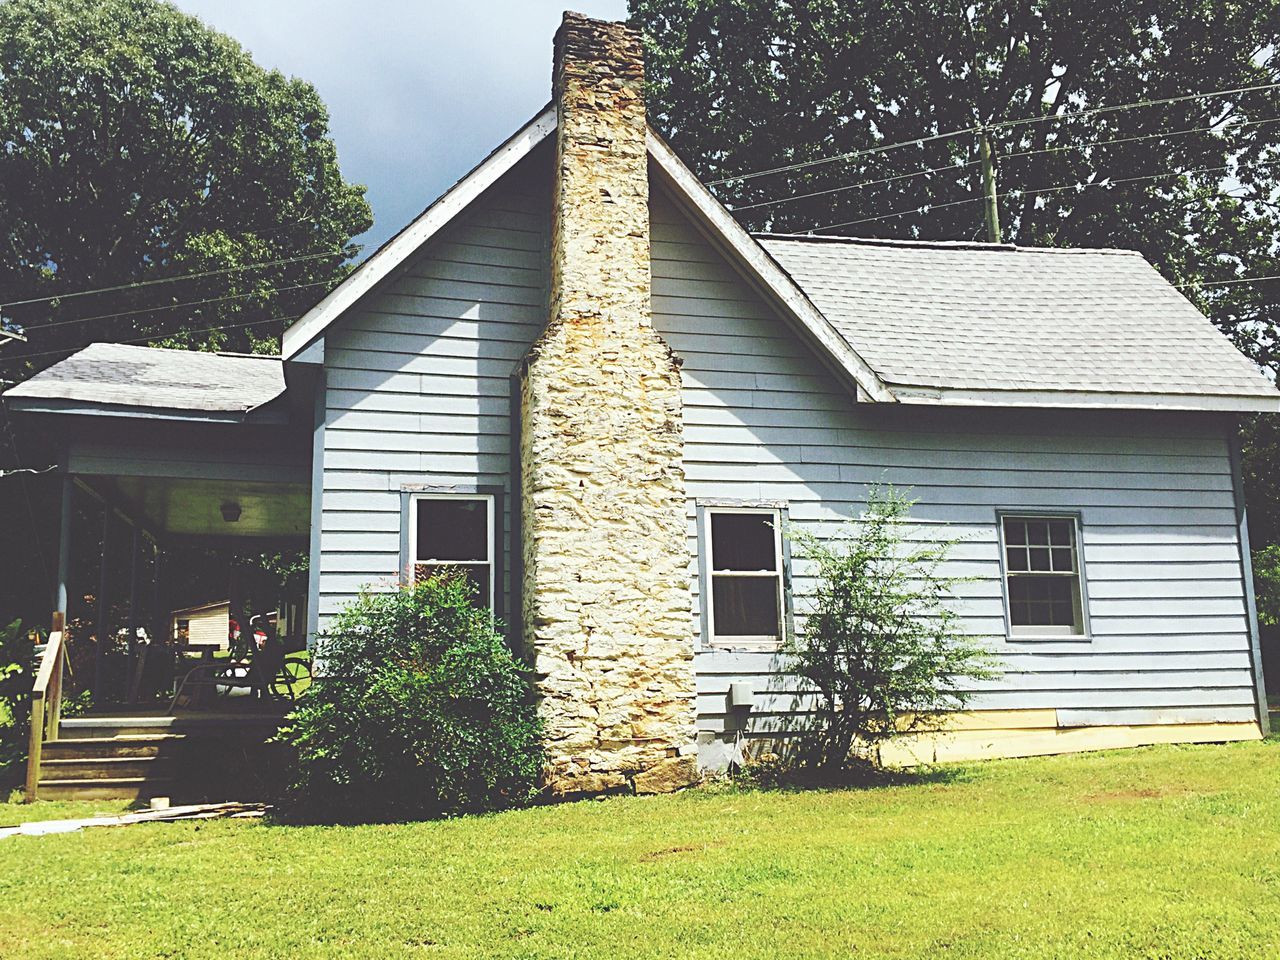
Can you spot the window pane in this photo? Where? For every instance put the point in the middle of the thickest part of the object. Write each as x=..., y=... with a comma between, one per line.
x=1042, y=601
x=477, y=574
x=1016, y=557
x=743, y=541
x=1015, y=531
x=1062, y=559
x=1039, y=558
x=1038, y=532
x=453, y=529
x=1060, y=533
x=746, y=606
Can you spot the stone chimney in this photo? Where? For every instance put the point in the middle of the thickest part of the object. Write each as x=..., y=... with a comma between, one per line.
x=607, y=601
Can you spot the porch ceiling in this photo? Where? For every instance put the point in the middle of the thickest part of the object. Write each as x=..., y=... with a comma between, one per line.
x=194, y=507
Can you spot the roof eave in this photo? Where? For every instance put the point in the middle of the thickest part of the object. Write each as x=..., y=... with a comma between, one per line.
x=774, y=281
x=77, y=407
x=1081, y=399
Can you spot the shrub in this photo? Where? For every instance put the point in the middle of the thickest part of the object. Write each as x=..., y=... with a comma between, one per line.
x=882, y=646
x=419, y=710
x=15, y=694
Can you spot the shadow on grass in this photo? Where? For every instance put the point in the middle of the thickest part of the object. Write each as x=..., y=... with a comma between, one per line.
x=779, y=778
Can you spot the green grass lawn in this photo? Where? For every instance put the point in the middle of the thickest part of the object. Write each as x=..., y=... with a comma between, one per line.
x=1166, y=852
x=17, y=812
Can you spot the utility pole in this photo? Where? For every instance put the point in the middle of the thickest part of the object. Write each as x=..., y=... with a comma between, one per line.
x=990, y=202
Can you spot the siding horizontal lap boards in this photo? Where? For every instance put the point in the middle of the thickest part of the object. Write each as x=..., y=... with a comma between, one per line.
x=1158, y=539
x=419, y=379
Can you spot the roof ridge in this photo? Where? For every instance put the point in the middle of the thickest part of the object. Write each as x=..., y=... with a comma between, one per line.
x=942, y=244
x=208, y=353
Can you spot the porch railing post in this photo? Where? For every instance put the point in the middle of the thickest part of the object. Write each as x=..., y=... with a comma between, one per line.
x=59, y=669
x=100, y=646
x=34, y=743
x=46, y=702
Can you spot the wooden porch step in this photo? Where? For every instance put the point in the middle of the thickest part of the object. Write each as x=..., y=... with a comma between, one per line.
x=103, y=768
x=212, y=724
x=118, y=788
x=86, y=748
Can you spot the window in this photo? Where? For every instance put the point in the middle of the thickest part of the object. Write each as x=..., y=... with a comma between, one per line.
x=1042, y=576
x=744, y=561
x=448, y=531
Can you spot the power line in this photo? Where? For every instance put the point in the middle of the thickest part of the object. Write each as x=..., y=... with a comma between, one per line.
x=1065, y=115
x=1223, y=283
x=929, y=207
x=1007, y=156
x=186, y=276
x=35, y=328
x=154, y=336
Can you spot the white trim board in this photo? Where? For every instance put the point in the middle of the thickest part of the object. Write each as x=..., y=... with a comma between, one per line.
x=775, y=281
x=1082, y=399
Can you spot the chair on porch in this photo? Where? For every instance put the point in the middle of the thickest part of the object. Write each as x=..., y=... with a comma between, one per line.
x=267, y=670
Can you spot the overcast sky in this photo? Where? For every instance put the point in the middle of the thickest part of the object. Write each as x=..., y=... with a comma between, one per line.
x=418, y=90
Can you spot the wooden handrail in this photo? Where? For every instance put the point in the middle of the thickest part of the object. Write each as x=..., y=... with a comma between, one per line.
x=46, y=702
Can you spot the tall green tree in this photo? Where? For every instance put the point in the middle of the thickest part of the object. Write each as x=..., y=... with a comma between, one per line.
x=137, y=144
x=742, y=86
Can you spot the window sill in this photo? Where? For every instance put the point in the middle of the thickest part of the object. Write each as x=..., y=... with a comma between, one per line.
x=744, y=646
x=1048, y=638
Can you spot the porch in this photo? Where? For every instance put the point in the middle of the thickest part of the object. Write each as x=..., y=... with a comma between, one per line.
x=139, y=753
x=183, y=476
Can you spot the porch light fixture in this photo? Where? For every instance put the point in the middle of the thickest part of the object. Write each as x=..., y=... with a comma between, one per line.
x=230, y=511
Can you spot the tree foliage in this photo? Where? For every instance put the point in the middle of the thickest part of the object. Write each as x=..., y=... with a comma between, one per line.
x=882, y=645
x=419, y=709
x=748, y=85
x=137, y=144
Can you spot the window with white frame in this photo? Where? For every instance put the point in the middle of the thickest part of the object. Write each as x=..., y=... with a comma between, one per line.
x=1042, y=575
x=744, y=561
x=454, y=532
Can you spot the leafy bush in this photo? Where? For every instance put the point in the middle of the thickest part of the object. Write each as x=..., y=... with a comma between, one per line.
x=419, y=710
x=15, y=694
x=882, y=647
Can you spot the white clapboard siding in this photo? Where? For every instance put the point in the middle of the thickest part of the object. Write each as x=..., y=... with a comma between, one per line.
x=764, y=421
x=418, y=381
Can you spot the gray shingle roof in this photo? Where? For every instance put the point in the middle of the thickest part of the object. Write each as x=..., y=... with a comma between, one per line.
x=118, y=374
x=987, y=317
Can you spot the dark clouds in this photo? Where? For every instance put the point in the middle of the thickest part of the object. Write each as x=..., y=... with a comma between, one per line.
x=419, y=91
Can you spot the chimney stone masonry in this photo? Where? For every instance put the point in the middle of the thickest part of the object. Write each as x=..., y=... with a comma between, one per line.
x=606, y=595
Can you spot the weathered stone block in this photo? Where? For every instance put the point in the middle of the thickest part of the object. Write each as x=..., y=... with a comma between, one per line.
x=667, y=776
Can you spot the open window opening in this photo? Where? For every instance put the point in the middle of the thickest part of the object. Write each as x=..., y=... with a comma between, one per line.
x=449, y=532
x=744, y=557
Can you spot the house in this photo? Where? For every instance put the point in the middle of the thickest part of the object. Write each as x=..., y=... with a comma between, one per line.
x=577, y=378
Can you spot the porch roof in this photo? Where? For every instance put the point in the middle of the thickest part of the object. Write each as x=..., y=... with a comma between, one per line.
x=116, y=379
